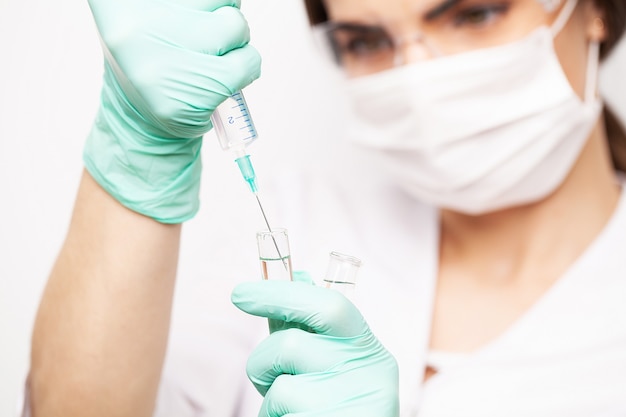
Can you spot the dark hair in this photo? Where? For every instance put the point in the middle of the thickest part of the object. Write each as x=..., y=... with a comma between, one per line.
x=614, y=15
x=316, y=11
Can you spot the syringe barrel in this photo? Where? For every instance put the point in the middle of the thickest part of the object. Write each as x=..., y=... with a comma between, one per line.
x=233, y=124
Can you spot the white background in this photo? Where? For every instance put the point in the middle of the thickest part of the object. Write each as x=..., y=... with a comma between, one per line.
x=50, y=69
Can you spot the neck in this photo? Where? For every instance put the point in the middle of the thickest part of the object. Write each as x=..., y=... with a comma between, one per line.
x=547, y=236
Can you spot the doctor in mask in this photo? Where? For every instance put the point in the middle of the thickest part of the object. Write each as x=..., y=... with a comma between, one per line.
x=435, y=100
x=491, y=223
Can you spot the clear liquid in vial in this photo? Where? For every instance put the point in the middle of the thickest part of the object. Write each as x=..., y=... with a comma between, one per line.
x=346, y=288
x=276, y=269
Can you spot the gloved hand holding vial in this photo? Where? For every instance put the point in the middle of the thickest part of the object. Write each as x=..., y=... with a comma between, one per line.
x=337, y=368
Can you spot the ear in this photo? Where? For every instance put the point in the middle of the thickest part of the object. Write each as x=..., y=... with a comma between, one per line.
x=596, y=23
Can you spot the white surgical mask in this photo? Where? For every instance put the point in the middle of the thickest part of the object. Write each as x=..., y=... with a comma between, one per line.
x=478, y=131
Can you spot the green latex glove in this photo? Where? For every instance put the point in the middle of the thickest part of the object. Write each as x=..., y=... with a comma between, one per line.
x=339, y=370
x=168, y=65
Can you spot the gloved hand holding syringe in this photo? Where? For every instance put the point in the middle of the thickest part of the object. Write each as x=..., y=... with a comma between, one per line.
x=235, y=131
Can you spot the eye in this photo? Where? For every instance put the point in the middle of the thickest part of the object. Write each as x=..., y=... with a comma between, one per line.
x=362, y=41
x=480, y=15
x=366, y=44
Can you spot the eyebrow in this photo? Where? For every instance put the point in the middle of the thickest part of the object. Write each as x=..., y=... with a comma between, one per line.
x=440, y=9
x=361, y=27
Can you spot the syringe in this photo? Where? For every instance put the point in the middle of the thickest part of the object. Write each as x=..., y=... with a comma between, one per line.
x=235, y=131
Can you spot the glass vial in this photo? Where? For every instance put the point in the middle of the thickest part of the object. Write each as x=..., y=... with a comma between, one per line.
x=341, y=273
x=274, y=254
x=275, y=259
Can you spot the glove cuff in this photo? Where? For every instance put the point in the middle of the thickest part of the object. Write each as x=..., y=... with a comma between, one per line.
x=159, y=178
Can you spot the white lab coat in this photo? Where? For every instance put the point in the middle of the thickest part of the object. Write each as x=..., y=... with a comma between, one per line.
x=566, y=356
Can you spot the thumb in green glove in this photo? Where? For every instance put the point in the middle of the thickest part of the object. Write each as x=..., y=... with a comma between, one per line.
x=340, y=369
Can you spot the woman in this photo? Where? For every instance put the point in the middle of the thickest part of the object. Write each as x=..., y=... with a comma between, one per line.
x=489, y=215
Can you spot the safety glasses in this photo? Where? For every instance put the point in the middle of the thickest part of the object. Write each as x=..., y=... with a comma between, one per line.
x=450, y=27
